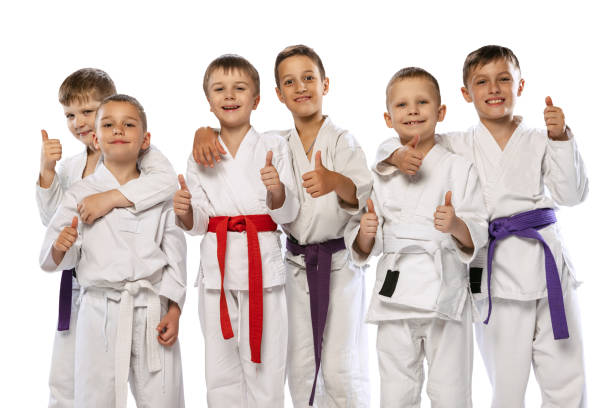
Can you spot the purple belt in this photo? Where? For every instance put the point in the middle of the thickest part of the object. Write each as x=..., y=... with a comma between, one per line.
x=525, y=225
x=318, y=259
x=65, y=300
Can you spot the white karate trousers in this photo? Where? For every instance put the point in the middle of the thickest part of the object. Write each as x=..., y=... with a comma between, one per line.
x=518, y=335
x=343, y=377
x=95, y=359
x=448, y=347
x=232, y=379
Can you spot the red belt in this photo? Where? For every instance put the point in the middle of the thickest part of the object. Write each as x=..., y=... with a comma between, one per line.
x=252, y=224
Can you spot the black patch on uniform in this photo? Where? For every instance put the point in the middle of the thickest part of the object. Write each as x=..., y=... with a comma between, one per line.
x=390, y=283
x=475, y=279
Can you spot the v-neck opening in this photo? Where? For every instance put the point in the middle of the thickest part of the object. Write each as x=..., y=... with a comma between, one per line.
x=244, y=139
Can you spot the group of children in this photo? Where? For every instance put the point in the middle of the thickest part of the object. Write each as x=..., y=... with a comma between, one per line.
x=462, y=220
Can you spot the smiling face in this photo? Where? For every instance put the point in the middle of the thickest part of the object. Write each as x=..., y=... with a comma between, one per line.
x=414, y=109
x=80, y=118
x=301, y=87
x=232, y=97
x=120, y=132
x=493, y=88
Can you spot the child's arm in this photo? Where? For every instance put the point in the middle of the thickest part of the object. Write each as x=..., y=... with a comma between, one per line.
x=363, y=233
x=274, y=186
x=190, y=202
x=64, y=241
x=445, y=220
x=322, y=181
x=49, y=189
x=206, y=147
x=278, y=174
x=168, y=327
x=563, y=169
x=51, y=152
x=156, y=185
x=368, y=226
x=61, y=245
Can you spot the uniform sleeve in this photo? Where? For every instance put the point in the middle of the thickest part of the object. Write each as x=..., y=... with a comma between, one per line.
x=199, y=201
x=174, y=276
x=563, y=171
x=352, y=230
x=290, y=208
x=384, y=151
x=468, y=200
x=156, y=185
x=49, y=199
x=62, y=218
x=350, y=161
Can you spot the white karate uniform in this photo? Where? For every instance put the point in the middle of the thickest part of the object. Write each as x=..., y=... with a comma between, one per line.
x=425, y=309
x=157, y=184
x=344, y=379
x=232, y=188
x=531, y=172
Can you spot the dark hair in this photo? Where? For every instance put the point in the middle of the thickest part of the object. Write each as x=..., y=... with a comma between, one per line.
x=413, y=72
x=298, y=50
x=84, y=84
x=127, y=99
x=229, y=62
x=484, y=55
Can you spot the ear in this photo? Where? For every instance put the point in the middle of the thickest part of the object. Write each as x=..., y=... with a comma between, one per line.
x=325, y=86
x=146, y=141
x=466, y=95
x=96, y=142
x=521, y=87
x=256, y=101
x=279, y=94
x=388, y=120
x=441, y=113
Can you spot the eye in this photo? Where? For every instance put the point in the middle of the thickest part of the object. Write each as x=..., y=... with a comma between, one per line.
x=130, y=125
x=288, y=82
x=87, y=112
x=401, y=105
x=480, y=82
x=505, y=79
x=70, y=116
x=240, y=88
x=106, y=125
x=423, y=102
x=218, y=89
x=309, y=78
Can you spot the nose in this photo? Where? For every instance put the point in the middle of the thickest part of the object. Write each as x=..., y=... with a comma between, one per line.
x=79, y=121
x=301, y=86
x=229, y=94
x=493, y=87
x=413, y=109
x=118, y=130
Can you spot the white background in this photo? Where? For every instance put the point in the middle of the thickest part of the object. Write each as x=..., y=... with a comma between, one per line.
x=158, y=51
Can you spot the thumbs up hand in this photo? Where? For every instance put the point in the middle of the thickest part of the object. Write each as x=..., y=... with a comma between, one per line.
x=269, y=176
x=67, y=237
x=182, y=199
x=555, y=121
x=51, y=152
x=445, y=219
x=320, y=181
x=369, y=222
x=407, y=159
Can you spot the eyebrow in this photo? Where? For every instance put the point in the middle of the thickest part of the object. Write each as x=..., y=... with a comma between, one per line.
x=127, y=117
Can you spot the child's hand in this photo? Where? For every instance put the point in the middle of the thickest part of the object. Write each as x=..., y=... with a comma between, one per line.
x=445, y=219
x=95, y=206
x=369, y=222
x=407, y=159
x=555, y=121
x=50, y=153
x=67, y=237
x=206, y=147
x=182, y=199
x=269, y=175
x=320, y=181
x=168, y=327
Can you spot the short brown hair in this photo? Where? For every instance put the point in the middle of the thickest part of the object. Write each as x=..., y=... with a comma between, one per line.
x=484, y=55
x=413, y=72
x=84, y=84
x=229, y=62
x=127, y=99
x=298, y=50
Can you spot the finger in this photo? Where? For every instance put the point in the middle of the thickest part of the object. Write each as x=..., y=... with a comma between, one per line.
x=208, y=156
x=75, y=222
x=309, y=183
x=370, y=206
x=548, y=101
x=219, y=147
x=269, y=158
x=414, y=142
x=447, y=199
x=45, y=136
x=182, y=183
x=318, y=163
x=308, y=176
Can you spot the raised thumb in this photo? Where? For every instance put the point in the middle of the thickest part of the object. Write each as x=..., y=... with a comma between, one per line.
x=548, y=101
x=318, y=163
x=447, y=198
x=181, y=180
x=75, y=222
x=414, y=142
x=269, y=158
x=370, y=206
x=45, y=136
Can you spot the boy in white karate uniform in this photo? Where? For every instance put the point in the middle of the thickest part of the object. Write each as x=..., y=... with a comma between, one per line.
x=237, y=206
x=80, y=95
x=326, y=310
x=428, y=227
x=131, y=272
x=531, y=307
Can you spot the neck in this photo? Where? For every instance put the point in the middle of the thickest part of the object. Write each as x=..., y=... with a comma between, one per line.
x=502, y=127
x=123, y=171
x=308, y=127
x=232, y=136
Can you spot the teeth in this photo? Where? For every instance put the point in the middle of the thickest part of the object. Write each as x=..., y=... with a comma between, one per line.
x=495, y=101
x=231, y=107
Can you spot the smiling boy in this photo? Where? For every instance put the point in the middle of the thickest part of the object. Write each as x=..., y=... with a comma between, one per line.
x=531, y=309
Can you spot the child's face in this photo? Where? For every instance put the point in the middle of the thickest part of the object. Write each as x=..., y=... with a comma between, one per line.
x=301, y=86
x=119, y=132
x=232, y=98
x=493, y=88
x=80, y=118
x=414, y=109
